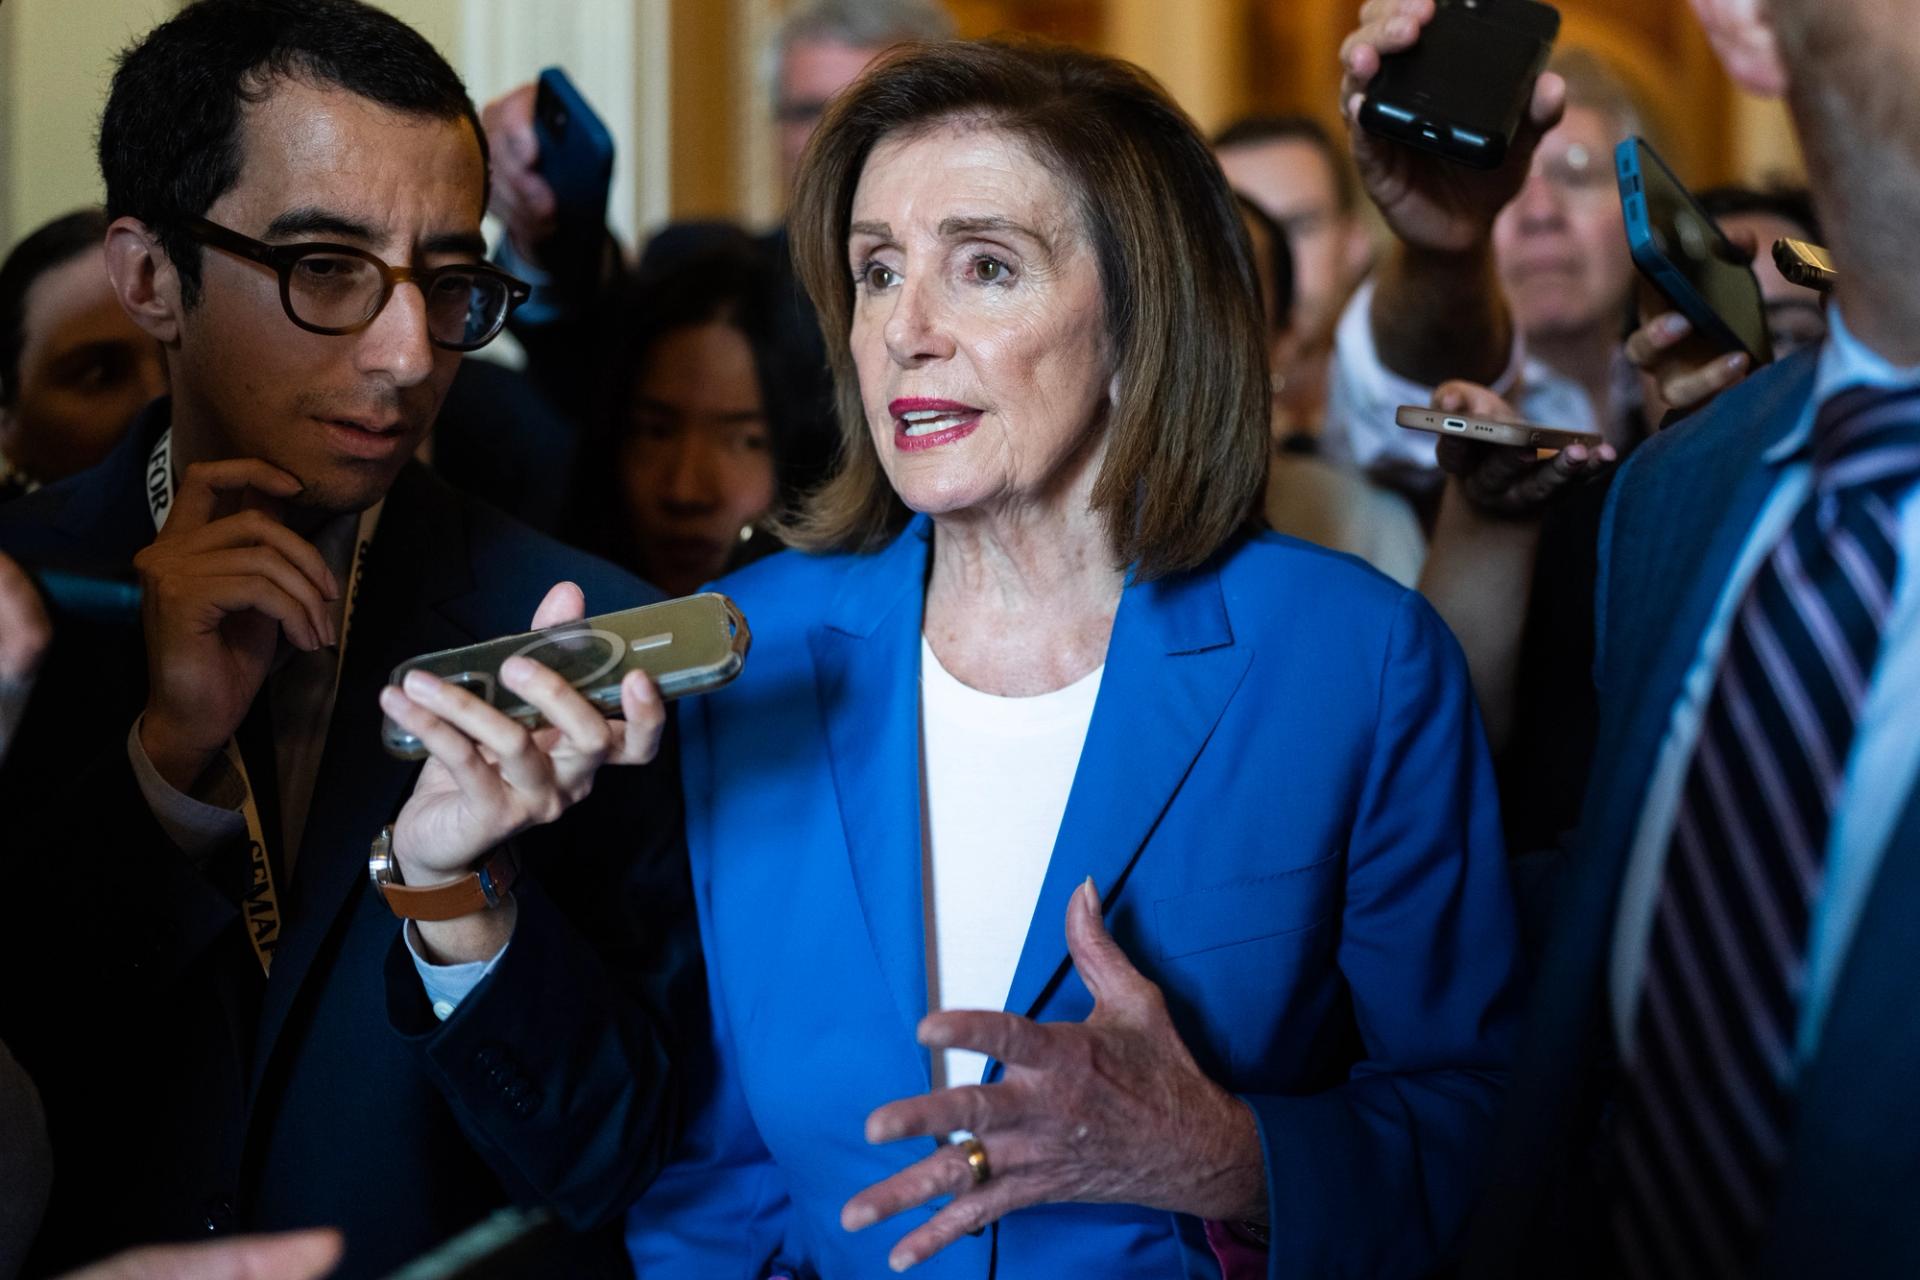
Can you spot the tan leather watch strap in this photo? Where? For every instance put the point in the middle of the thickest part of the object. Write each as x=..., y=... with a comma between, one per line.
x=478, y=891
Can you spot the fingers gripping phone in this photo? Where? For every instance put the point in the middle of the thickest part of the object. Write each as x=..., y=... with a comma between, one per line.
x=1683, y=253
x=1462, y=91
x=691, y=645
x=1484, y=430
x=576, y=159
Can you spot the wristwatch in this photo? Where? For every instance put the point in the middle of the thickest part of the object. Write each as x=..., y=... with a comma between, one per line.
x=482, y=890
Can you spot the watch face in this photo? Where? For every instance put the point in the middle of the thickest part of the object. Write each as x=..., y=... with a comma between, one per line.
x=380, y=865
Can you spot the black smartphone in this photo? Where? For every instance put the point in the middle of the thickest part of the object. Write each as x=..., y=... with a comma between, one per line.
x=1682, y=252
x=1462, y=91
x=691, y=645
x=576, y=159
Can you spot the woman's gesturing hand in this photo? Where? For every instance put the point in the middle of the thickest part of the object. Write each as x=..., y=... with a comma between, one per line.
x=1111, y=1110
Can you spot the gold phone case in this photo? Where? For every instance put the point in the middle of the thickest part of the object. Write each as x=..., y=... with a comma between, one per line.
x=691, y=645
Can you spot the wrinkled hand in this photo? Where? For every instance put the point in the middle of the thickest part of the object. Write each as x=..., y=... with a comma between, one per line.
x=1500, y=479
x=220, y=584
x=1431, y=203
x=1112, y=1110
x=519, y=197
x=24, y=629
x=296, y=1255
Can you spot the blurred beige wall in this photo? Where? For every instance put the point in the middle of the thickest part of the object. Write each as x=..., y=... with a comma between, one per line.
x=56, y=59
x=698, y=135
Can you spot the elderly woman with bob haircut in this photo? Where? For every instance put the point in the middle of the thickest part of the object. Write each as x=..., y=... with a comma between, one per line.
x=1091, y=883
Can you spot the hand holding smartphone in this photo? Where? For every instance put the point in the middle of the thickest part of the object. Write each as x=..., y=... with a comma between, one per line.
x=691, y=645
x=1684, y=255
x=1522, y=435
x=576, y=159
x=1462, y=91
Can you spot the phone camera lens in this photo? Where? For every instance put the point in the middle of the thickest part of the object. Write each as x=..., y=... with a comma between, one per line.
x=559, y=118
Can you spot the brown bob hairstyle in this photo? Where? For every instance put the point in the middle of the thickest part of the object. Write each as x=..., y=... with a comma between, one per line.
x=1186, y=449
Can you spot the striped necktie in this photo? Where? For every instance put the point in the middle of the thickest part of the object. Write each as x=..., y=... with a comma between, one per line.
x=1708, y=1097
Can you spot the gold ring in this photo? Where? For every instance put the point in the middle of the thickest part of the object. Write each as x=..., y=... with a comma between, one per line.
x=977, y=1160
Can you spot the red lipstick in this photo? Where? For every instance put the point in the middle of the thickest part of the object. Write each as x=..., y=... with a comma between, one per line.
x=920, y=423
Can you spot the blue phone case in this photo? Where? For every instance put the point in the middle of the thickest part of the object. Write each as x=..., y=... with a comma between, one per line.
x=576, y=152
x=1654, y=263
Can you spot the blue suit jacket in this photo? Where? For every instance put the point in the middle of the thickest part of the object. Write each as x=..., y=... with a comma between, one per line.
x=185, y=1094
x=1285, y=801
x=1678, y=515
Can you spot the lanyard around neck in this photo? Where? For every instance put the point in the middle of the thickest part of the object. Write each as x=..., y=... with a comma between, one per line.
x=262, y=899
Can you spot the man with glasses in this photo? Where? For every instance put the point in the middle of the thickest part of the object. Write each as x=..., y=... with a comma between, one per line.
x=232, y=1026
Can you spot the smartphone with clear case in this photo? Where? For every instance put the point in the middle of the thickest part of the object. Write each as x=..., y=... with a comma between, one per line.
x=695, y=644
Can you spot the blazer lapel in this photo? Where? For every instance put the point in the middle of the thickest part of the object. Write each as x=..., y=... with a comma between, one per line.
x=1172, y=667
x=866, y=660
x=1710, y=489
x=418, y=562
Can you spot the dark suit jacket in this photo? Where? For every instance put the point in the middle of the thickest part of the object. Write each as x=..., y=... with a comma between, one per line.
x=1678, y=516
x=187, y=1094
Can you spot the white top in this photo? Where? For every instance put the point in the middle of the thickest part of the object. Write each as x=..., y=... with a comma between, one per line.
x=995, y=773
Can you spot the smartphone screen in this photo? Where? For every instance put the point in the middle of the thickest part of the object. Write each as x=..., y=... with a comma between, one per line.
x=1682, y=251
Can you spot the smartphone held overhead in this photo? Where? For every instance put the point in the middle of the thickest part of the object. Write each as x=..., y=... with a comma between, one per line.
x=1462, y=91
x=695, y=644
x=576, y=160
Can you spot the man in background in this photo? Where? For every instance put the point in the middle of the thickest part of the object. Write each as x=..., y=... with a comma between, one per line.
x=1291, y=169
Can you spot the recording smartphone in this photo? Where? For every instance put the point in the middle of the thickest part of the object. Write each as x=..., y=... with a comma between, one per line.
x=1683, y=253
x=1523, y=435
x=1462, y=91
x=576, y=159
x=691, y=645
x=1807, y=265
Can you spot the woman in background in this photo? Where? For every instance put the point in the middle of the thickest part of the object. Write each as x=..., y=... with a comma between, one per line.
x=699, y=436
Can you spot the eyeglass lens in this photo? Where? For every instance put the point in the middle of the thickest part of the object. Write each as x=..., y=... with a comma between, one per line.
x=339, y=291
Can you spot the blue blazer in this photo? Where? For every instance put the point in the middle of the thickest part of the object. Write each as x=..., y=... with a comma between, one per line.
x=1285, y=801
x=1679, y=513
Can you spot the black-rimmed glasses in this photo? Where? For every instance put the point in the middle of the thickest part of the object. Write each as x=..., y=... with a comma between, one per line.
x=337, y=289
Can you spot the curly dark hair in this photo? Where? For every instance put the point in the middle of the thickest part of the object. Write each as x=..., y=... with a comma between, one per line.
x=170, y=135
